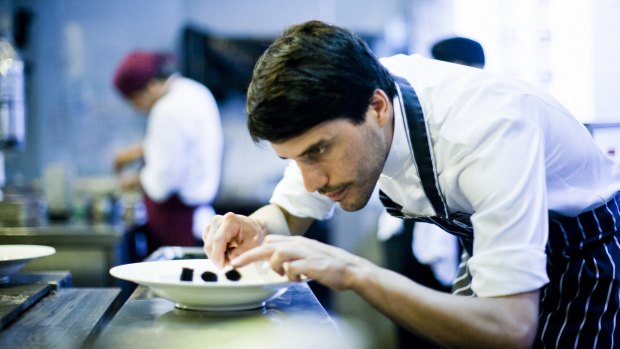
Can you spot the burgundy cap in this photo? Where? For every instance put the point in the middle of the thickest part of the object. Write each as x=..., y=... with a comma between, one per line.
x=135, y=70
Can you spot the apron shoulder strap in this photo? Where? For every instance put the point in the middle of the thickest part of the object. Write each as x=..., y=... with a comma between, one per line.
x=420, y=144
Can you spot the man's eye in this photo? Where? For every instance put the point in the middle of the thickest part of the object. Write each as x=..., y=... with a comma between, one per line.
x=316, y=151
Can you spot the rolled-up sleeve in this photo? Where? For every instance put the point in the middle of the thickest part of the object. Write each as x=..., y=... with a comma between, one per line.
x=503, y=179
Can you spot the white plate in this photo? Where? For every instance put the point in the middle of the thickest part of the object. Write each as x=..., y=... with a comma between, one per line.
x=164, y=279
x=15, y=257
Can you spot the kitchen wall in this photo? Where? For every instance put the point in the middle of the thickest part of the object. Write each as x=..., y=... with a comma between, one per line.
x=74, y=117
x=606, y=60
x=567, y=47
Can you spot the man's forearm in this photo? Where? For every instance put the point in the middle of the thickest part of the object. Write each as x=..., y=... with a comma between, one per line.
x=279, y=221
x=451, y=321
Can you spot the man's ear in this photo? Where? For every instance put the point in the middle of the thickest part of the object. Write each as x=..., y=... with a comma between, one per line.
x=380, y=104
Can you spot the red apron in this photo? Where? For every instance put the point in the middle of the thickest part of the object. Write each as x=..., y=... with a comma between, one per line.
x=169, y=223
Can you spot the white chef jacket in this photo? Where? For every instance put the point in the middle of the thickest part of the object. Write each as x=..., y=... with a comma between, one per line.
x=503, y=151
x=183, y=148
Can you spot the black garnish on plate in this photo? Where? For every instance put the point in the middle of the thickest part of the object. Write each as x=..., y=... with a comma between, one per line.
x=209, y=276
x=233, y=275
x=187, y=274
x=190, y=256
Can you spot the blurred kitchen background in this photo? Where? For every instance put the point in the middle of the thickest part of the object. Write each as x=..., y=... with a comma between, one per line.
x=59, y=187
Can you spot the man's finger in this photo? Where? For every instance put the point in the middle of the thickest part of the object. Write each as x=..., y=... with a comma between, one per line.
x=276, y=238
x=261, y=252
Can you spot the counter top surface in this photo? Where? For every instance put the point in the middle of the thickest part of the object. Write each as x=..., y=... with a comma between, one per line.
x=146, y=321
x=20, y=291
x=41, y=310
x=61, y=316
x=67, y=318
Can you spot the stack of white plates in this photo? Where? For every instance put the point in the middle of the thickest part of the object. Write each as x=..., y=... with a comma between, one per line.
x=15, y=257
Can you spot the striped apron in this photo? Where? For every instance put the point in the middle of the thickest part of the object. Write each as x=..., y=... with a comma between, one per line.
x=579, y=307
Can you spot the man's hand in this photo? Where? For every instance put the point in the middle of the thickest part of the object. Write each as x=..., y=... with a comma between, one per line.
x=129, y=181
x=127, y=156
x=233, y=233
x=299, y=257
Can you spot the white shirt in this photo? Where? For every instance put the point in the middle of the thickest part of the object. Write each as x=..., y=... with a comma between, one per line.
x=183, y=148
x=504, y=152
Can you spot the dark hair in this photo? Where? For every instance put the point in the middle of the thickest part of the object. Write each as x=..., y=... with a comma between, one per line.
x=460, y=50
x=314, y=72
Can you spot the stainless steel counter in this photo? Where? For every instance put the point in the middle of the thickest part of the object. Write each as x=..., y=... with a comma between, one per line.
x=41, y=310
x=88, y=251
x=20, y=291
x=50, y=316
x=147, y=321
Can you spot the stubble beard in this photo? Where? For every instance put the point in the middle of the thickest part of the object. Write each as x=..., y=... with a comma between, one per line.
x=367, y=175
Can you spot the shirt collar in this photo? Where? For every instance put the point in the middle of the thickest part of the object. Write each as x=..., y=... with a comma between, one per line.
x=168, y=83
x=399, y=157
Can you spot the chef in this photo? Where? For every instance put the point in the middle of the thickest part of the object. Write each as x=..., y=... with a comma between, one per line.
x=181, y=150
x=494, y=161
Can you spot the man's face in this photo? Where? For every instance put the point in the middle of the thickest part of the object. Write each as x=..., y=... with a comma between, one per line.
x=340, y=160
x=144, y=99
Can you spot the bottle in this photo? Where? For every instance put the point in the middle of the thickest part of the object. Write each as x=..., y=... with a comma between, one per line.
x=12, y=102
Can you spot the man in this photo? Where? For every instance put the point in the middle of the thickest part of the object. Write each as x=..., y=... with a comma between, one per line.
x=182, y=148
x=492, y=160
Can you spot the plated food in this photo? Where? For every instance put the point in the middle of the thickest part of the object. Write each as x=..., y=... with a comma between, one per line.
x=197, y=284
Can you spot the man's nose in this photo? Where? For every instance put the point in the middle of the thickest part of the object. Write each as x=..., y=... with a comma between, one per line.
x=314, y=177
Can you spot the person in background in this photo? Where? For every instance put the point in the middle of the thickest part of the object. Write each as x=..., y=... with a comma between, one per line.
x=181, y=150
x=459, y=50
x=421, y=251
x=491, y=159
